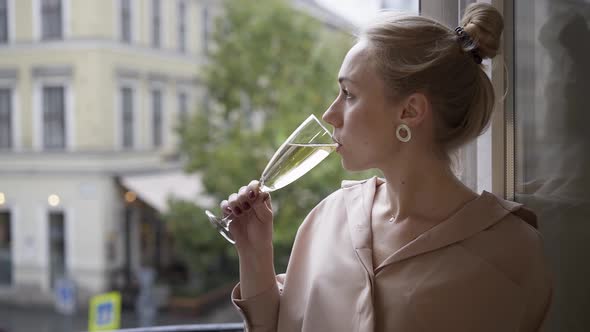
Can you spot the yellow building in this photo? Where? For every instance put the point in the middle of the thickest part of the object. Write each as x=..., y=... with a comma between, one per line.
x=90, y=95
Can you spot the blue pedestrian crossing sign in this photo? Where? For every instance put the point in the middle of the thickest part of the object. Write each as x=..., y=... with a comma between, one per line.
x=105, y=312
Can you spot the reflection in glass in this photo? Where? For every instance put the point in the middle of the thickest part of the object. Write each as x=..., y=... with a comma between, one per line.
x=552, y=71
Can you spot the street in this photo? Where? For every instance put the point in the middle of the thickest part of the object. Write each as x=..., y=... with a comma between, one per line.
x=37, y=319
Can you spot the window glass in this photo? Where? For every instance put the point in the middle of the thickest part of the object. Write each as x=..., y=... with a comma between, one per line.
x=156, y=22
x=3, y=21
x=127, y=116
x=182, y=108
x=54, y=121
x=51, y=19
x=182, y=26
x=5, y=119
x=552, y=75
x=157, y=117
x=205, y=28
x=126, y=20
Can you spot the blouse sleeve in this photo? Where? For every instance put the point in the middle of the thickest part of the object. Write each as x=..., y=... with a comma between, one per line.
x=260, y=313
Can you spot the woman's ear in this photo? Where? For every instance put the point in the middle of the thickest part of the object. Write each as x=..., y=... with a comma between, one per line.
x=416, y=109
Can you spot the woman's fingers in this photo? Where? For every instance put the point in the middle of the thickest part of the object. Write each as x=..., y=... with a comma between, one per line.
x=253, y=190
x=243, y=200
x=247, y=198
x=225, y=209
x=234, y=205
x=263, y=207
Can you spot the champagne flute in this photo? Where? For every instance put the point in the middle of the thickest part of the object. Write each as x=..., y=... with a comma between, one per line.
x=307, y=146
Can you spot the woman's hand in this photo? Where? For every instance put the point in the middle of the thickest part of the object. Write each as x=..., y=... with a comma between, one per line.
x=251, y=228
x=252, y=219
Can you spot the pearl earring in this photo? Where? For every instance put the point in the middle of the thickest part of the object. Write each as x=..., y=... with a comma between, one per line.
x=408, y=136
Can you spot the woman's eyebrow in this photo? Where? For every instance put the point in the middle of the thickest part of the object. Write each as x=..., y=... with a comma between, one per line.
x=345, y=78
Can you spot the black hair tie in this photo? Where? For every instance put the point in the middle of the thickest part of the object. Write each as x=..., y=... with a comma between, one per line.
x=468, y=44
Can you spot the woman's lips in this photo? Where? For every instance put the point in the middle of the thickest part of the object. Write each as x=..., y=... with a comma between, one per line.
x=337, y=142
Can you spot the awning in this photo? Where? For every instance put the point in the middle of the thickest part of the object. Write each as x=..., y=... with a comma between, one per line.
x=156, y=188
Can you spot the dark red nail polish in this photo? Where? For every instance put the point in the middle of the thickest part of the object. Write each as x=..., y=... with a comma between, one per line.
x=237, y=211
x=246, y=206
x=251, y=194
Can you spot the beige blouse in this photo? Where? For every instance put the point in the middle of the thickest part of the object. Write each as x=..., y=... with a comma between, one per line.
x=482, y=269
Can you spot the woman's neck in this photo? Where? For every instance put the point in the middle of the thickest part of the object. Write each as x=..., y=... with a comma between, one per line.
x=428, y=192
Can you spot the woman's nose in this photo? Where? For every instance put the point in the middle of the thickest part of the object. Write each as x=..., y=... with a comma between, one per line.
x=331, y=117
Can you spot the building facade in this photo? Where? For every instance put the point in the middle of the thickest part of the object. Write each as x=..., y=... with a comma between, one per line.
x=91, y=94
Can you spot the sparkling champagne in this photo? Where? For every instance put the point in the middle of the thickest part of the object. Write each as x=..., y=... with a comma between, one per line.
x=292, y=162
x=306, y=147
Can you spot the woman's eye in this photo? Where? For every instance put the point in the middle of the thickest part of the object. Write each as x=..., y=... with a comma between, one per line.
x=346, y=93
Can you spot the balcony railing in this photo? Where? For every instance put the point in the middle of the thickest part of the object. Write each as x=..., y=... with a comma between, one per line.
x=228, y=327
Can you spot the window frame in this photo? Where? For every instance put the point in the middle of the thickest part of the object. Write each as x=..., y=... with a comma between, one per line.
x=9, y=22
x=124, y=112
x=182, y=90
x=38, y=134
x=53, y=117
x=160, y=30
x=501, y=134
x=10, y=118
x=15, y=116
x=38, y=25
x=509, y=84
x=157, y=86
x=134, y=20
x=134, y=86
x=182, y=40
x=206, y=26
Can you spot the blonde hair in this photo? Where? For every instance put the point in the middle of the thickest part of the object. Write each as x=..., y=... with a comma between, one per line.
x=418, y=54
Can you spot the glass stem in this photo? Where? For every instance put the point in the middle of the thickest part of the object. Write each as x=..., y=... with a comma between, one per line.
x=226, y=221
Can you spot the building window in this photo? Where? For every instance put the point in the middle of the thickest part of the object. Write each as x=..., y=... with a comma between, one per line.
x=127, y=117
x=182, y=108
x=54, y=117
x=5, y=249
x=126, y=21
x=51, y=19
x=3, y=21
x=156, y=23
x=57, y=246
x=205, y=30
x=182, y=26
x=157, y=126
x=5, y=119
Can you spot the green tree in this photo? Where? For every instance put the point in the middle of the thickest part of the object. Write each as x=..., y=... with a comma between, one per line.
x=274, y=65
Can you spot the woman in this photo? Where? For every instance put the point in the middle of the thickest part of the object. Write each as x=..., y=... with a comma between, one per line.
x=417, y=251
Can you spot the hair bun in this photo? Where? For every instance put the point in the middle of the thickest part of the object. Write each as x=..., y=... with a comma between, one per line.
x=484, y=24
